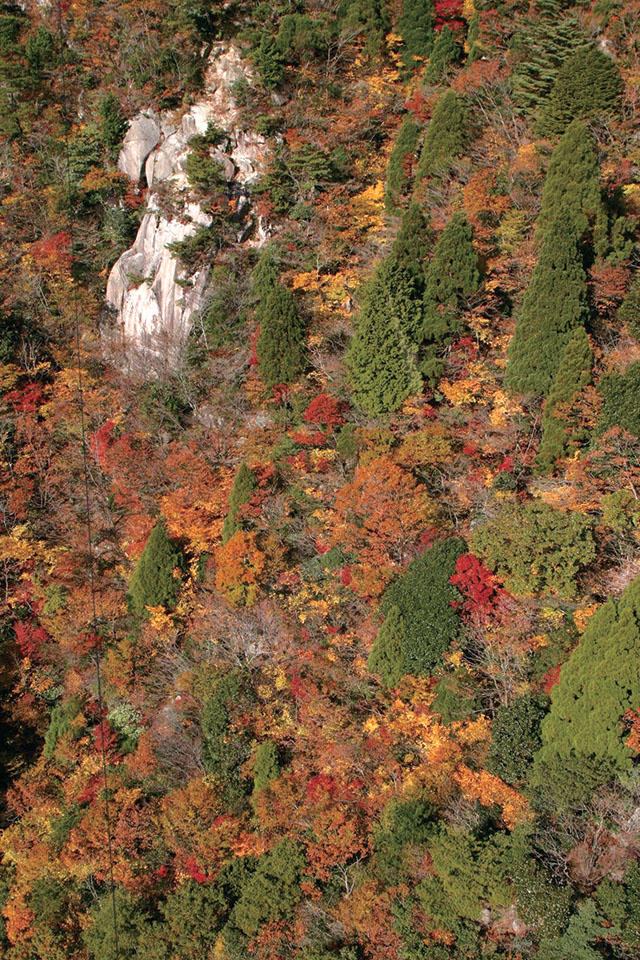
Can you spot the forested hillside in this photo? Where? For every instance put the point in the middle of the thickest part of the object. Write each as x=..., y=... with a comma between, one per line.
x=319, y=480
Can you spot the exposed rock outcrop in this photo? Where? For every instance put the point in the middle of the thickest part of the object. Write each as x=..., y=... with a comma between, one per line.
x=140, y=139
x=155, y=299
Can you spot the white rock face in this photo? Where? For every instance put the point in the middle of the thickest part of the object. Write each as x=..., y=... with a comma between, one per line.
x=140, y=139
x=153, y=297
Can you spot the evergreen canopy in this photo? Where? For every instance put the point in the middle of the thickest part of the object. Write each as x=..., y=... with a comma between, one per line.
x=554, y=304
x=446, y=136
x=583, y=735
x=587, y=86
x=572, y=183
x=280, y=347
x=152, y=583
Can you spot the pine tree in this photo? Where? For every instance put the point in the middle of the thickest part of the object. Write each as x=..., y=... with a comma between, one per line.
x=572, y=182
x=152, y=582
x=445, y=53
x=425, y=601
x=371, y=19
x=404, y=149
x=409, y=247
x=583, y=734
x=416, y=29
x=243, y=486
x=446, y=136
x=452, y=275
x=555, y=303
x=269, y=61
x=543, y=45
x=381, y=359
x=265, y=274
x=574, y=373
x=387, y=655
x=114, y=122
x=621, y=394
x=588, y=85
x=280, y=347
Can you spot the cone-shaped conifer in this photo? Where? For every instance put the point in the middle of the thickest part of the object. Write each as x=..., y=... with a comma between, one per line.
x=554, y=305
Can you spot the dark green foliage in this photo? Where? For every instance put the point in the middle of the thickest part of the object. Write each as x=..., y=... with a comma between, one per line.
x=542, y=46
x=265, y=274
x=456, y=697
x=583, y=735
x=40, y=48
x=404, y=825
x=244, y=485
x=388, y=656
x=194, y=914
x=450, y=278
x=409, y=247
x=588, y=86
x=621, y=394
x=132, y=922
x=417, y=31
x=370, y=18
x=300, y=37
x=61, y=827
x=536, y=549
x=469, y=873
x=266, y=766
x=572, y=183
x=619, y=903
x=541, y=904
x=403, y=151
x=554, y=305
x=61, y=724
x=419, y=604
x=515, y=737
x=381, y=358
x=446, y=137
x=203, y=171
x=114, y=122
x=224, y=751
x=583, y=929
x=152, y=583
x=280, y=347
x=269, y=61
x=445, y=53
x=574, y=373
x=273, y=891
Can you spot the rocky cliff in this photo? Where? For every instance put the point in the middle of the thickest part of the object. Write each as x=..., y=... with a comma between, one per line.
x=153, y=297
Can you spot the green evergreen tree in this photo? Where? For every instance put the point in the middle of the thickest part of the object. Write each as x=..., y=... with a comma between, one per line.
x=588, y=86
x=445, y=53
x=244, y=485
x=422, y=600
x=266, y=272
x=381, y=357
x=387, y=655
x=554, y=304
x=583, y=735
x=417, y=31
x=573, y=374
x=280, y=347
x=152, y=582
x=269, y=61
x=371, y=19
x=273, y=891
x=451, y=276
x=446, y=136
x=542, y=45
x=132, y=924
x=515, y=738
x=114, y=122
x=224, y=749
x=621, y=394
x=409, y=247
x=404, y=149
x=572, y=182
x=476, y=49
